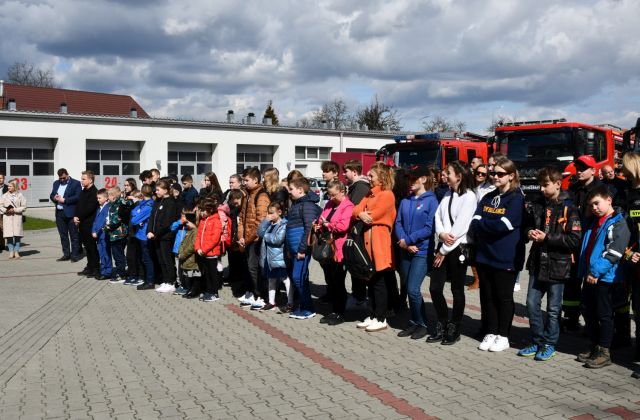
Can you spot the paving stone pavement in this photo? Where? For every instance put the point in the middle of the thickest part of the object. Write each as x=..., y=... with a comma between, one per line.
x=77, y=348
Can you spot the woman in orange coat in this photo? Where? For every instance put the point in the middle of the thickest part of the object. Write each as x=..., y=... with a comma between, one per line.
x=377, y=210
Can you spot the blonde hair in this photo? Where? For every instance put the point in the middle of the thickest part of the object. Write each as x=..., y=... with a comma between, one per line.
x=137, y=194
x=631, y=164
x=13, y=183
x=271, y=179
x=114, y=190
x=385, y=175
x=510, y=168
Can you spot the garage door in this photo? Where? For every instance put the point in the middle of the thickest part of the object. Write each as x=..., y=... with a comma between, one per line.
x=190, y=159
x=29, y=161
x=113, y=161
x=251, y=155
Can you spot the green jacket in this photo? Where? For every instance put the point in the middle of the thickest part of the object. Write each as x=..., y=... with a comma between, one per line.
x=187, y=252
x=117, y=225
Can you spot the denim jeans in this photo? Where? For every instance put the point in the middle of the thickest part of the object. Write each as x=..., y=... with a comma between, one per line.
x=300, y=277
x=414, y=270
x=544, y=331
x=147, y=261
x=117, y=250
x=13, y=243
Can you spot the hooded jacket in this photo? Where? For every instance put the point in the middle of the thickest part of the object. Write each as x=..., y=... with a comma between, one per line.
x=187, y=251
x=300, y=218
x=272, y=247
x=339, y=223
x=552, y=259
x=163, y=215
x=253, y=210
x=497, y=230
x=208, y=237
x=359, y=190
x=610, y=244
x=140, y=218
x=414, y=222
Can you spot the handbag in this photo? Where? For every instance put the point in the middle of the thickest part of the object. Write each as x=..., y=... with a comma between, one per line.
x=323, y=244
x=468, y=250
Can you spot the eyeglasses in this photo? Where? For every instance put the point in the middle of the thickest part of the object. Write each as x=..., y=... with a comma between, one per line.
x=482, y=174
x=498, y=174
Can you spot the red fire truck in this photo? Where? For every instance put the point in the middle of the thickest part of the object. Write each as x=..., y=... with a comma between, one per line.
x=433, y=149
x=535, y=144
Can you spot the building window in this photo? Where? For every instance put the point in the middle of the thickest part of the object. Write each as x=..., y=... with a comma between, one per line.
x=203, y=168
x=22, y=154
x=111, y=155
x=19, y=170
x=312, y=153
x=43, y=154
x=111, y=169
x=94, y=167
x=130, y=168
x=42, y=168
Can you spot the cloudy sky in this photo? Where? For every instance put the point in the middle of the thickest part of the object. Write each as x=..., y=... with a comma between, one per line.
x=467, y=60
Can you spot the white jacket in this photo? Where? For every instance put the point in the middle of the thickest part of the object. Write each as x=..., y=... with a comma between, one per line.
x=462, y=211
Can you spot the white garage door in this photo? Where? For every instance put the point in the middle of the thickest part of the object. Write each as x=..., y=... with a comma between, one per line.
x=190, y=159
x=29, y=161
x=251, y=155
x=113, y=161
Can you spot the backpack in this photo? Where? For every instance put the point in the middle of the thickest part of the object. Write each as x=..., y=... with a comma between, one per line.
x=227, y=230
x=355, y=256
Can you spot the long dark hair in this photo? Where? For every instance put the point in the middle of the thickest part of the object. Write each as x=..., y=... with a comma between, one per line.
x=215, y=185
x=461, y=169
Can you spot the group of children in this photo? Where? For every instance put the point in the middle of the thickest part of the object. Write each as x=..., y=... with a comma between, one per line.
x=264, y=228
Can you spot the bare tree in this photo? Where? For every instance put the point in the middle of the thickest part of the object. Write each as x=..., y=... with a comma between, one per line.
x=439, y=124
x=336, y=112
x=377, y=116
x=304, y=123
x=23, y=73
x=497, y=122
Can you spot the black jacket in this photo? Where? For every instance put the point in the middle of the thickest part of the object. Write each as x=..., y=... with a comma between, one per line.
x=87, y=205
x=578, y=193
x=164, y=213
x=358, y=190
x=553, y=259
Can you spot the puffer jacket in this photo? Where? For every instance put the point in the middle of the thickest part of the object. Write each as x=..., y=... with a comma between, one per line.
x=117, y=224
x=272, y=247
x=187, y=251
x=251, y=215
x=610, y=244
x=302, y=213
x=140, y=218
x=339, y=223
x=552, y=260
x=208, y=237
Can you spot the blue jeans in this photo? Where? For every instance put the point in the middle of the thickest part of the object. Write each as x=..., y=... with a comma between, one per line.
x=13, y=243
x=104, y=252
x=117, y=250
x=544, y=331
x=300, y=277
x=147, y=261
x=414, y=270
x=68, y=230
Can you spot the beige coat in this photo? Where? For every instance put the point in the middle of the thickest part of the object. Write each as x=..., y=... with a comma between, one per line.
x=12, y=225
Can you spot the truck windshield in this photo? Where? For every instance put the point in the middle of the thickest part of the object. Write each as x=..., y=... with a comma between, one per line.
x=405, y=156
x=548, y=146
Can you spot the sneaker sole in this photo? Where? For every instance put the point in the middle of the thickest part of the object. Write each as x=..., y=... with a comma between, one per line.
x=526, y=354
x=541, y=359
x=376, y=330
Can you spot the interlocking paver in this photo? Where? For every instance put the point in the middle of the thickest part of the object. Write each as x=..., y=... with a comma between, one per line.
x=92, y=350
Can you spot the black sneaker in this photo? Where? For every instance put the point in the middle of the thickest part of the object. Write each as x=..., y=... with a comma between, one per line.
x=64, y=258
x=327, y=318
x=75, y=259
x=408, y=331
x=84, y=272
x=336, y=320
x=101, y=277
x=419, y=333
x=146, y=286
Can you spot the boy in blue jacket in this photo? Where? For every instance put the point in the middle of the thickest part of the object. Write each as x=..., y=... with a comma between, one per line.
x=603, y=245
x=303, y=211
x=102, y=238
x=139, y=221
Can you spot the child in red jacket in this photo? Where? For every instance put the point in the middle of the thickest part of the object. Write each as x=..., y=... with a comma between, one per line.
x=208, y=247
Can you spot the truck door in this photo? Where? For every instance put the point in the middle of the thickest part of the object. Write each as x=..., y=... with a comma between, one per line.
x=450, y=154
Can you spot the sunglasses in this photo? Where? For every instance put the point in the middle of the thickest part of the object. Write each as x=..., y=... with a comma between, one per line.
x=499, y=174
x=482, y=174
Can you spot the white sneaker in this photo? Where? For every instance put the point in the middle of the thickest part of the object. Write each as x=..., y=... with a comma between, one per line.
x=161, y=288
x=500, y=344
x=364, y=324
x=487, y=342
x=169, y=288
x=243, y=297
x=377, y=326
x=516, y=287
x=258, y=304
x=248, y=302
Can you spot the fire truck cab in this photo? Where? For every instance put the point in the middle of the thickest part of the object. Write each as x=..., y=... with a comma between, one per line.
x=533, y=145
x=433, y=149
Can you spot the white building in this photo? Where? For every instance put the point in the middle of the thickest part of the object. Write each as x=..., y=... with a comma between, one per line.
x=42, y=130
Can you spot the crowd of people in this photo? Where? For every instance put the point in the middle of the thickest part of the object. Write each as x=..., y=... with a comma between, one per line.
x=415, y=221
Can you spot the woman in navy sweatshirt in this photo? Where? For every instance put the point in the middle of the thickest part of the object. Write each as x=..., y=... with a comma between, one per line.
x=414, y=230
x=500, y=252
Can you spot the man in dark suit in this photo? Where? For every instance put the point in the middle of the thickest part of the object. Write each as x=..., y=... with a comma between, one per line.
x=84, y=216
x=65, y=195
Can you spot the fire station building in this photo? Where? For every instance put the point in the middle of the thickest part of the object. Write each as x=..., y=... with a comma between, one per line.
x=43, y=129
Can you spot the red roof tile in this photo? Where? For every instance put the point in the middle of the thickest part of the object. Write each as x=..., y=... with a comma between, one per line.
x=30, y=98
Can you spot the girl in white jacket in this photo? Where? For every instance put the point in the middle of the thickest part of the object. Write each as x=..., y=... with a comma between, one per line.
x=453, y=217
